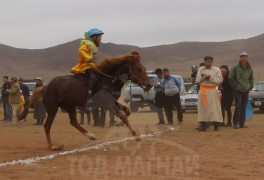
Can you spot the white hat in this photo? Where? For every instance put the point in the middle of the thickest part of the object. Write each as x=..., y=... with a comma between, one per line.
x=38, y=78
x=244, y=53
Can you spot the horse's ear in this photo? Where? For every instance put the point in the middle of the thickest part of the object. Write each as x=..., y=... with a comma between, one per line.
x=135, y=55
x=134, y=52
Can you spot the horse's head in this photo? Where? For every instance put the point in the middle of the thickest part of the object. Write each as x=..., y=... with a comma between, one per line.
x=137, y=72
x=128, y=64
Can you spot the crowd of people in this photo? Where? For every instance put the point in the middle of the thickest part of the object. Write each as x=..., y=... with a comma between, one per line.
x=167, y=96
x=233, y=85
x=15, y=96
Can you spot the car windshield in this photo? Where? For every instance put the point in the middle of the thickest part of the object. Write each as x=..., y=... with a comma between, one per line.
x=31, y=86
x=259, y=87
x=193, y=90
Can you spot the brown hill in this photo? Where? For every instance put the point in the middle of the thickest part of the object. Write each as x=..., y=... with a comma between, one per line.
x=178, y=57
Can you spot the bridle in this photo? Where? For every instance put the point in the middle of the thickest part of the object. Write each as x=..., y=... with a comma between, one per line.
x=139, y=80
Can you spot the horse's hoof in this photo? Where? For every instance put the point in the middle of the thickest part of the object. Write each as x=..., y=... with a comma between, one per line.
x=91, y=136
x=56, y=148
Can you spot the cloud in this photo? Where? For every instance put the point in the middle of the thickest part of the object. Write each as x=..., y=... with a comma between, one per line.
x=40, y=24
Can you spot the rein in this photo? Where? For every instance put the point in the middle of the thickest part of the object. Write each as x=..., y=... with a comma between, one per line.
x=121, y=79
x=133, y=75
x=107, y=75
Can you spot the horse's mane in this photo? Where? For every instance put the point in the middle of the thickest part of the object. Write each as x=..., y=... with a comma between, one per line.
x=108, y=63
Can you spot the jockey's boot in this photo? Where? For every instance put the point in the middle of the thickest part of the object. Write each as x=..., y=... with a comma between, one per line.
x=90, y=88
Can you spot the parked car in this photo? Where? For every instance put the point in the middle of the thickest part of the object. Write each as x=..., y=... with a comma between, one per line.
x=137, y=98
x=193, y=90
x=256, y=96
x=188, y=85
x=189, y=101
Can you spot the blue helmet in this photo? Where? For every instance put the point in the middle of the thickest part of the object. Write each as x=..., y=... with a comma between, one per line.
x=95, y=31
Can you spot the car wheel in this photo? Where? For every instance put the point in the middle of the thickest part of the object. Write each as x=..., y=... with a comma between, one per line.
x=133, y=107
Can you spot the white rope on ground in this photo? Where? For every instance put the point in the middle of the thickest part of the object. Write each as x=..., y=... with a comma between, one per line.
x=32, y=160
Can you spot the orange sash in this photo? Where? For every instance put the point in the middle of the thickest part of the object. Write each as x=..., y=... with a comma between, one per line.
x=203, y=89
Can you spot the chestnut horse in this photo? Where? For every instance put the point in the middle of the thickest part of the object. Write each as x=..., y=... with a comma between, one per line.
x=72, y=90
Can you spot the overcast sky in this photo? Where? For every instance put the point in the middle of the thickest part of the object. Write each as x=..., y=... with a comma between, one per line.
x=39, y=24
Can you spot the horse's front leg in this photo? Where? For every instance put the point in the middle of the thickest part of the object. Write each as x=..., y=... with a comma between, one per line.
x=123, y=117
x=124, y=108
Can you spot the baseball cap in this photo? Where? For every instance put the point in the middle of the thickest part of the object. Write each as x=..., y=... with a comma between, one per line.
x=244, y=53
x=208, y=58
x=20, y=79
x=38, y=78
x=165, y=69
x=14, y=78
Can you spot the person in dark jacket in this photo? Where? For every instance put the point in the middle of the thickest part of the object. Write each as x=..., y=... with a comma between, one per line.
x=159, y=95
x=241, y=79
x=83, y=111
x=227, y=96
x=194, y=73
x=24, y=89
x=5, y=98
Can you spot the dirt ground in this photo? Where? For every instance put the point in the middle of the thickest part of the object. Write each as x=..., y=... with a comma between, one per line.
x=180, y=154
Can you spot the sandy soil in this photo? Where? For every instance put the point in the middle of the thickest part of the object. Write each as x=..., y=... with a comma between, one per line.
x=180, y=154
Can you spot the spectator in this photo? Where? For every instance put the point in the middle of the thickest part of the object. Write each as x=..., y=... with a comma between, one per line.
x=112, y=119
x=194, y=73
x=85, y=110
x=172, y=90
x=198, y=86
x=197, y=89
x=5, y=97
x=241, y=79
x=159, y=95
x=39, y=108
x=209, y=110
x=14, y=98
x=226, y=97
x=21, y=103
x=24, y=89
x=99, y=115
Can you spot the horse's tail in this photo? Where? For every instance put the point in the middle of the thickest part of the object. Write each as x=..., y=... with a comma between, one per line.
x=37, y=93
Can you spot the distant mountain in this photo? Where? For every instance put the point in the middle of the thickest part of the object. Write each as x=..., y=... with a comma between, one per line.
x=179, y=57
